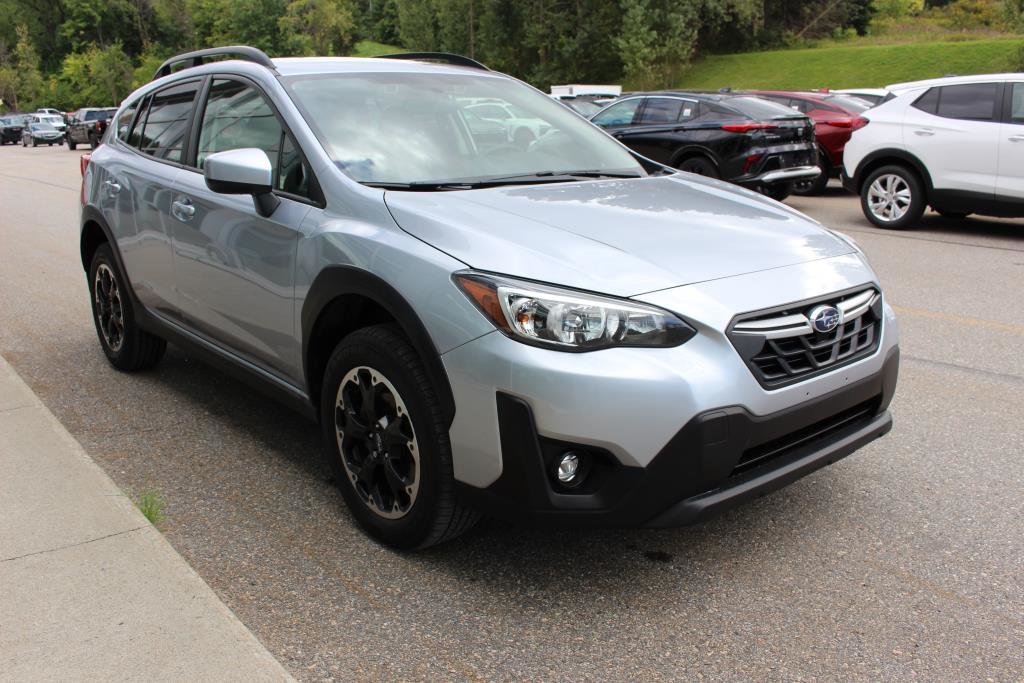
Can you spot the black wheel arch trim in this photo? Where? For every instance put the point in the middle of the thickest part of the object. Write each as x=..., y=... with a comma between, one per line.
x=341, y=280
x=882, y=156
x=688, y=151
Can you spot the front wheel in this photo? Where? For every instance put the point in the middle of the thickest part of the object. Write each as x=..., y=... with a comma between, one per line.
x=127, y=346
x=387, y=441
x=892, y=197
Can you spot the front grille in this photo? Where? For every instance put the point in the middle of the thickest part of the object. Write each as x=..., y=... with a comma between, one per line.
x=763, y=453
x=782, y=346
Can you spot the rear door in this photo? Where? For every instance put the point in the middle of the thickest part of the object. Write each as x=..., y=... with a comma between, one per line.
x=661, y=128
x=140, y=187
x=1010, y=183
x=236, y=269
x=954, y=130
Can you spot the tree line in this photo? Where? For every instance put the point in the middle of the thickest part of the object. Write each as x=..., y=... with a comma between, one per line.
x=72, y=53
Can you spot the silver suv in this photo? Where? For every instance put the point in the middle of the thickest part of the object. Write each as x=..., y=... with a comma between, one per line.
x=548, y=328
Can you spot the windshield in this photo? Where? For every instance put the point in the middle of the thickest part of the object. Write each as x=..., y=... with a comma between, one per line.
x=50, y=119
x=422, y=128
x=42, y=127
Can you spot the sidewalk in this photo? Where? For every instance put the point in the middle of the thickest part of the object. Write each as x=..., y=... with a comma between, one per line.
x=88, y=588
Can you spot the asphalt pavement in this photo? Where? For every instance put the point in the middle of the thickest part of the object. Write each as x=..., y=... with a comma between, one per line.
x=904, y=561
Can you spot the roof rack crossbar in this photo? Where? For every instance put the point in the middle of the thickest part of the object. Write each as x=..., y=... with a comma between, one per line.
x=445, y=57
x=191, y=59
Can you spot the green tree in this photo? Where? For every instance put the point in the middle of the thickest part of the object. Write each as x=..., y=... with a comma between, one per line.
x=94, y=77
x=658, y=37
x=27, y=79
x=417, y=24
x=317, y=27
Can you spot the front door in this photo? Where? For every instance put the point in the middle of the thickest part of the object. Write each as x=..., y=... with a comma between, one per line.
x=1011, y=145
x=236, y=269
x=954, y=130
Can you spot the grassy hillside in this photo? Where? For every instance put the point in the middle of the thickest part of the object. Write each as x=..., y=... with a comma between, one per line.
x=369, y=48
x=847, y=67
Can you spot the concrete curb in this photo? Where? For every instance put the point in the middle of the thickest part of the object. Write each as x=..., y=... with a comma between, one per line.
x=90, y=589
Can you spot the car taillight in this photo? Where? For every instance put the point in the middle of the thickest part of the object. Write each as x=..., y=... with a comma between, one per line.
x=860, y=122
x=97, y=126
x=840, y=123
x=747, y=127
x=749, y=162
x=83, y=163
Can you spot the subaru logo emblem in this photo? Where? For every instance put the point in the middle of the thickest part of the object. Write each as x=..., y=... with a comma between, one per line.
x=825, y=318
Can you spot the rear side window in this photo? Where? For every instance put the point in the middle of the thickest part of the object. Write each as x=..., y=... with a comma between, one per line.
x=124, y=121
x=971, y=101
x=661, y=110
x=238, y=116
x=929, y=101
x=968, y=102
x=620, y=114
x=166, y=126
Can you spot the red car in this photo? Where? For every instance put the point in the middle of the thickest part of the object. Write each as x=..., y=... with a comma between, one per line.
x=835, y=118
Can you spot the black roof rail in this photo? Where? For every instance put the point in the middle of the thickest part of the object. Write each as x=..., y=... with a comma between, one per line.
x=445, y=57
x=191, y=59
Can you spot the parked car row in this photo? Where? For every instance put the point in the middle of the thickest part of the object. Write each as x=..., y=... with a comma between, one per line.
x=84, y=126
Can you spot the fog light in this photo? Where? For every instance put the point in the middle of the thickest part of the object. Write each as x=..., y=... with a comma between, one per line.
x=568, y=468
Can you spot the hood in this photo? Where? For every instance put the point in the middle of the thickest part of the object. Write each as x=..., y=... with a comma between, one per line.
x=620, y=237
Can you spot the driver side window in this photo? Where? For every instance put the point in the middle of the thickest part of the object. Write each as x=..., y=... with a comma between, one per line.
x=237, y=116
x=620, y=114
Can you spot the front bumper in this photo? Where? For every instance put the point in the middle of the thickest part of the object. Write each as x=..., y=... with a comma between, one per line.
x=720, y=458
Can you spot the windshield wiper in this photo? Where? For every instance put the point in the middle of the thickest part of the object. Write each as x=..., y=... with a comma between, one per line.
x=477, y=183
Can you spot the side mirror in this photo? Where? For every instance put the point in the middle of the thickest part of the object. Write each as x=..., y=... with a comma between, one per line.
x=243, y=171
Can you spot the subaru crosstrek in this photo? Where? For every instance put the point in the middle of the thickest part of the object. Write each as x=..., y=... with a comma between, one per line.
x=557, y=332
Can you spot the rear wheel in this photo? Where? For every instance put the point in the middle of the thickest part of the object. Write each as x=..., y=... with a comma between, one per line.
x=387, y=441
x=699, y=165
x=93, y=141
x=127, y=346
x=72, y=144
x=777, y=191
x=892, y=197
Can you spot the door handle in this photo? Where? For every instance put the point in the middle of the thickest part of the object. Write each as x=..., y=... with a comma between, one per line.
x=924, y=131
x=617, y=134
x=113, y=187
x=183, y=209
x=1017, y=138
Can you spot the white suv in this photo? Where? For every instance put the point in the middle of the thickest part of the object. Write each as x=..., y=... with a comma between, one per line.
x=955, y=144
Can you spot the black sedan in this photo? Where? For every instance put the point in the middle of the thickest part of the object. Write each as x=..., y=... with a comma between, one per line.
x=739, y=138
x=41, y=134
x=10, y=129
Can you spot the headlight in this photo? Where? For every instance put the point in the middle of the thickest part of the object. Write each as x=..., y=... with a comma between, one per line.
x=568, y=320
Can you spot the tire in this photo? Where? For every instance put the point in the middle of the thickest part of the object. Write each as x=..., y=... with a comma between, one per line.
x=93, y=142
x=952, y=214
x=35, y=143
x=415, y=507
x=72, y=145
x=700, y=166
x=893, y=197
x=128, y=347
x=777, y=191
x=814, y=186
